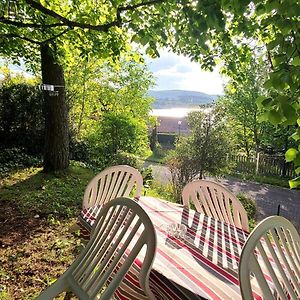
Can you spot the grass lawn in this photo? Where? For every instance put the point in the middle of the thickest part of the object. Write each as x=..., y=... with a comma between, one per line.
x=36, y=213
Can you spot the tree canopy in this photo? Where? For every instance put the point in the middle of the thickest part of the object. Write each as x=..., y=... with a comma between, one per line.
x=208, y=31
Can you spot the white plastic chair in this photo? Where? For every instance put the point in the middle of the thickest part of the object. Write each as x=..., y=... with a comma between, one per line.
x=113, y=182
x=214, y=200
x=276, y=243
x=121, y=230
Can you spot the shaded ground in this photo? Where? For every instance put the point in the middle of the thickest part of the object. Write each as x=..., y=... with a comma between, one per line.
x=36, y=213
x=267, y=197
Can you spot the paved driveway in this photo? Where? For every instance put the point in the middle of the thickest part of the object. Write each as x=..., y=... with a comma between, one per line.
x=267, y=197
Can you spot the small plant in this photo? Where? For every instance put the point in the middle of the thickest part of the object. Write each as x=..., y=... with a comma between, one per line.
x=147, y=176
x=250, y=208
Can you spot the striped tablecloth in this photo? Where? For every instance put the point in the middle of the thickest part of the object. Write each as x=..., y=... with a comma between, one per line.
x=203, y=265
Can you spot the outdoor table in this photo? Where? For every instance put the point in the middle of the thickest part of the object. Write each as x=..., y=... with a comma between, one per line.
x=202, y=265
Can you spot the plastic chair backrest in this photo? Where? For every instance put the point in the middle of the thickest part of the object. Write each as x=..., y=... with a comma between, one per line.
x=270, y=259
x=121, y=231
x=214, y=200
x=113, y=182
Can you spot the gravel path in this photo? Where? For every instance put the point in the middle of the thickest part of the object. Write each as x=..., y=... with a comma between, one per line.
x=267, y=197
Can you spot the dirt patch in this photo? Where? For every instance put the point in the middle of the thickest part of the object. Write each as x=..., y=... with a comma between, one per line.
x=15, y=226
x=33, y=253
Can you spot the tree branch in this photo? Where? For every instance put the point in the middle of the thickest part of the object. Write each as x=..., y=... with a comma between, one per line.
x=103, y=27
x=29, y=25
x=13, y=35
x=54, y=37
x=71, y=24
x=146, y=3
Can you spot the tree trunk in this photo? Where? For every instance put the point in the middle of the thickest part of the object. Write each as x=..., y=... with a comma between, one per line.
x=56, y=152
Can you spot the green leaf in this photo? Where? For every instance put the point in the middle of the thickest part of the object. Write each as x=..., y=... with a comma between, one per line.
x=290, y=113
x=274, y=117
x=297, y=171
x=294, y=183
x=296, y=61
x=291, y=154
x=295, y=136
x=268, y=84
x=263, y=117
x=267, y=103
x=296, y=161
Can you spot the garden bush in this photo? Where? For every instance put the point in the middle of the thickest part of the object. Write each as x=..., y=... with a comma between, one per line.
x=16, y=158
x=250, y=208
x=21, y=117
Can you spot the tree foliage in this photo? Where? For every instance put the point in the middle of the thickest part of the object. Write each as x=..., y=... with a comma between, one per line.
x=203, y=152
x=274, y=26
x=205, y=30
x=245, y=116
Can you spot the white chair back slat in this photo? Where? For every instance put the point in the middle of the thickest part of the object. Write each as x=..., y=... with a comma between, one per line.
x=121, y=233
x=227, y=214
x=128, y=187
x=294, y=250
x=215, y=201
x=113, y=182
x=117, y=189
x=107, y=185
x=111, y=259
x=260, y=278
x=86, y=262
x=199, y=201
x=271, y=253
x=218, y=202
x=269, y=267
x=99, y=186
x=281, y=243
x=208, y=203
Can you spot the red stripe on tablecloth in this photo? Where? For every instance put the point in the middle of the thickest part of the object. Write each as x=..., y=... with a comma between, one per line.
x=189, y=275
x=206, y=226
x=202, y=258
x=166, y=289
x=220, y=250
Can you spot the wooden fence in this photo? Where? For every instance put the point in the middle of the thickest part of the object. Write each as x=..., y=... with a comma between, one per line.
x=265, y=165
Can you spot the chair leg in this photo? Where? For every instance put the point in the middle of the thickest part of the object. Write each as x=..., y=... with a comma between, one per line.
x=59, y=286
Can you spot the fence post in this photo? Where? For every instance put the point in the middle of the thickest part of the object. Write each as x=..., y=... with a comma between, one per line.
x=257, y=163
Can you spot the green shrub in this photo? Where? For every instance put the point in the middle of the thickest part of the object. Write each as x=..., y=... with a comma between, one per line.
x=250, y=208
x=21, y=117
x=79, y=150
x=123, y=158
x=16, y=158
x=147, y=176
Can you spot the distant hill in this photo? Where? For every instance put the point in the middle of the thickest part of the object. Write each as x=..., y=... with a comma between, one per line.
x=178, y=98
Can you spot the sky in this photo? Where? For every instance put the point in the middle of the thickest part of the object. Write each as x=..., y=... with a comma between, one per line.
x=176, y=72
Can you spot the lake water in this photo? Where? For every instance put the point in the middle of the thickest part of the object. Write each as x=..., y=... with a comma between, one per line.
x=175, y=112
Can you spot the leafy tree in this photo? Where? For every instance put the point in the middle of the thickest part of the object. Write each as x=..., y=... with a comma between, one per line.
x=204, y=30
x=239, y=103
x=100, y=87
x=118, y=132
x=275, y=26
x=203, y=151
x=100, y=94
x=241, y=110
x=44, y=33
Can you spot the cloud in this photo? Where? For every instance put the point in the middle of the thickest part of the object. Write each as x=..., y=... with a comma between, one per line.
x=178, y=72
